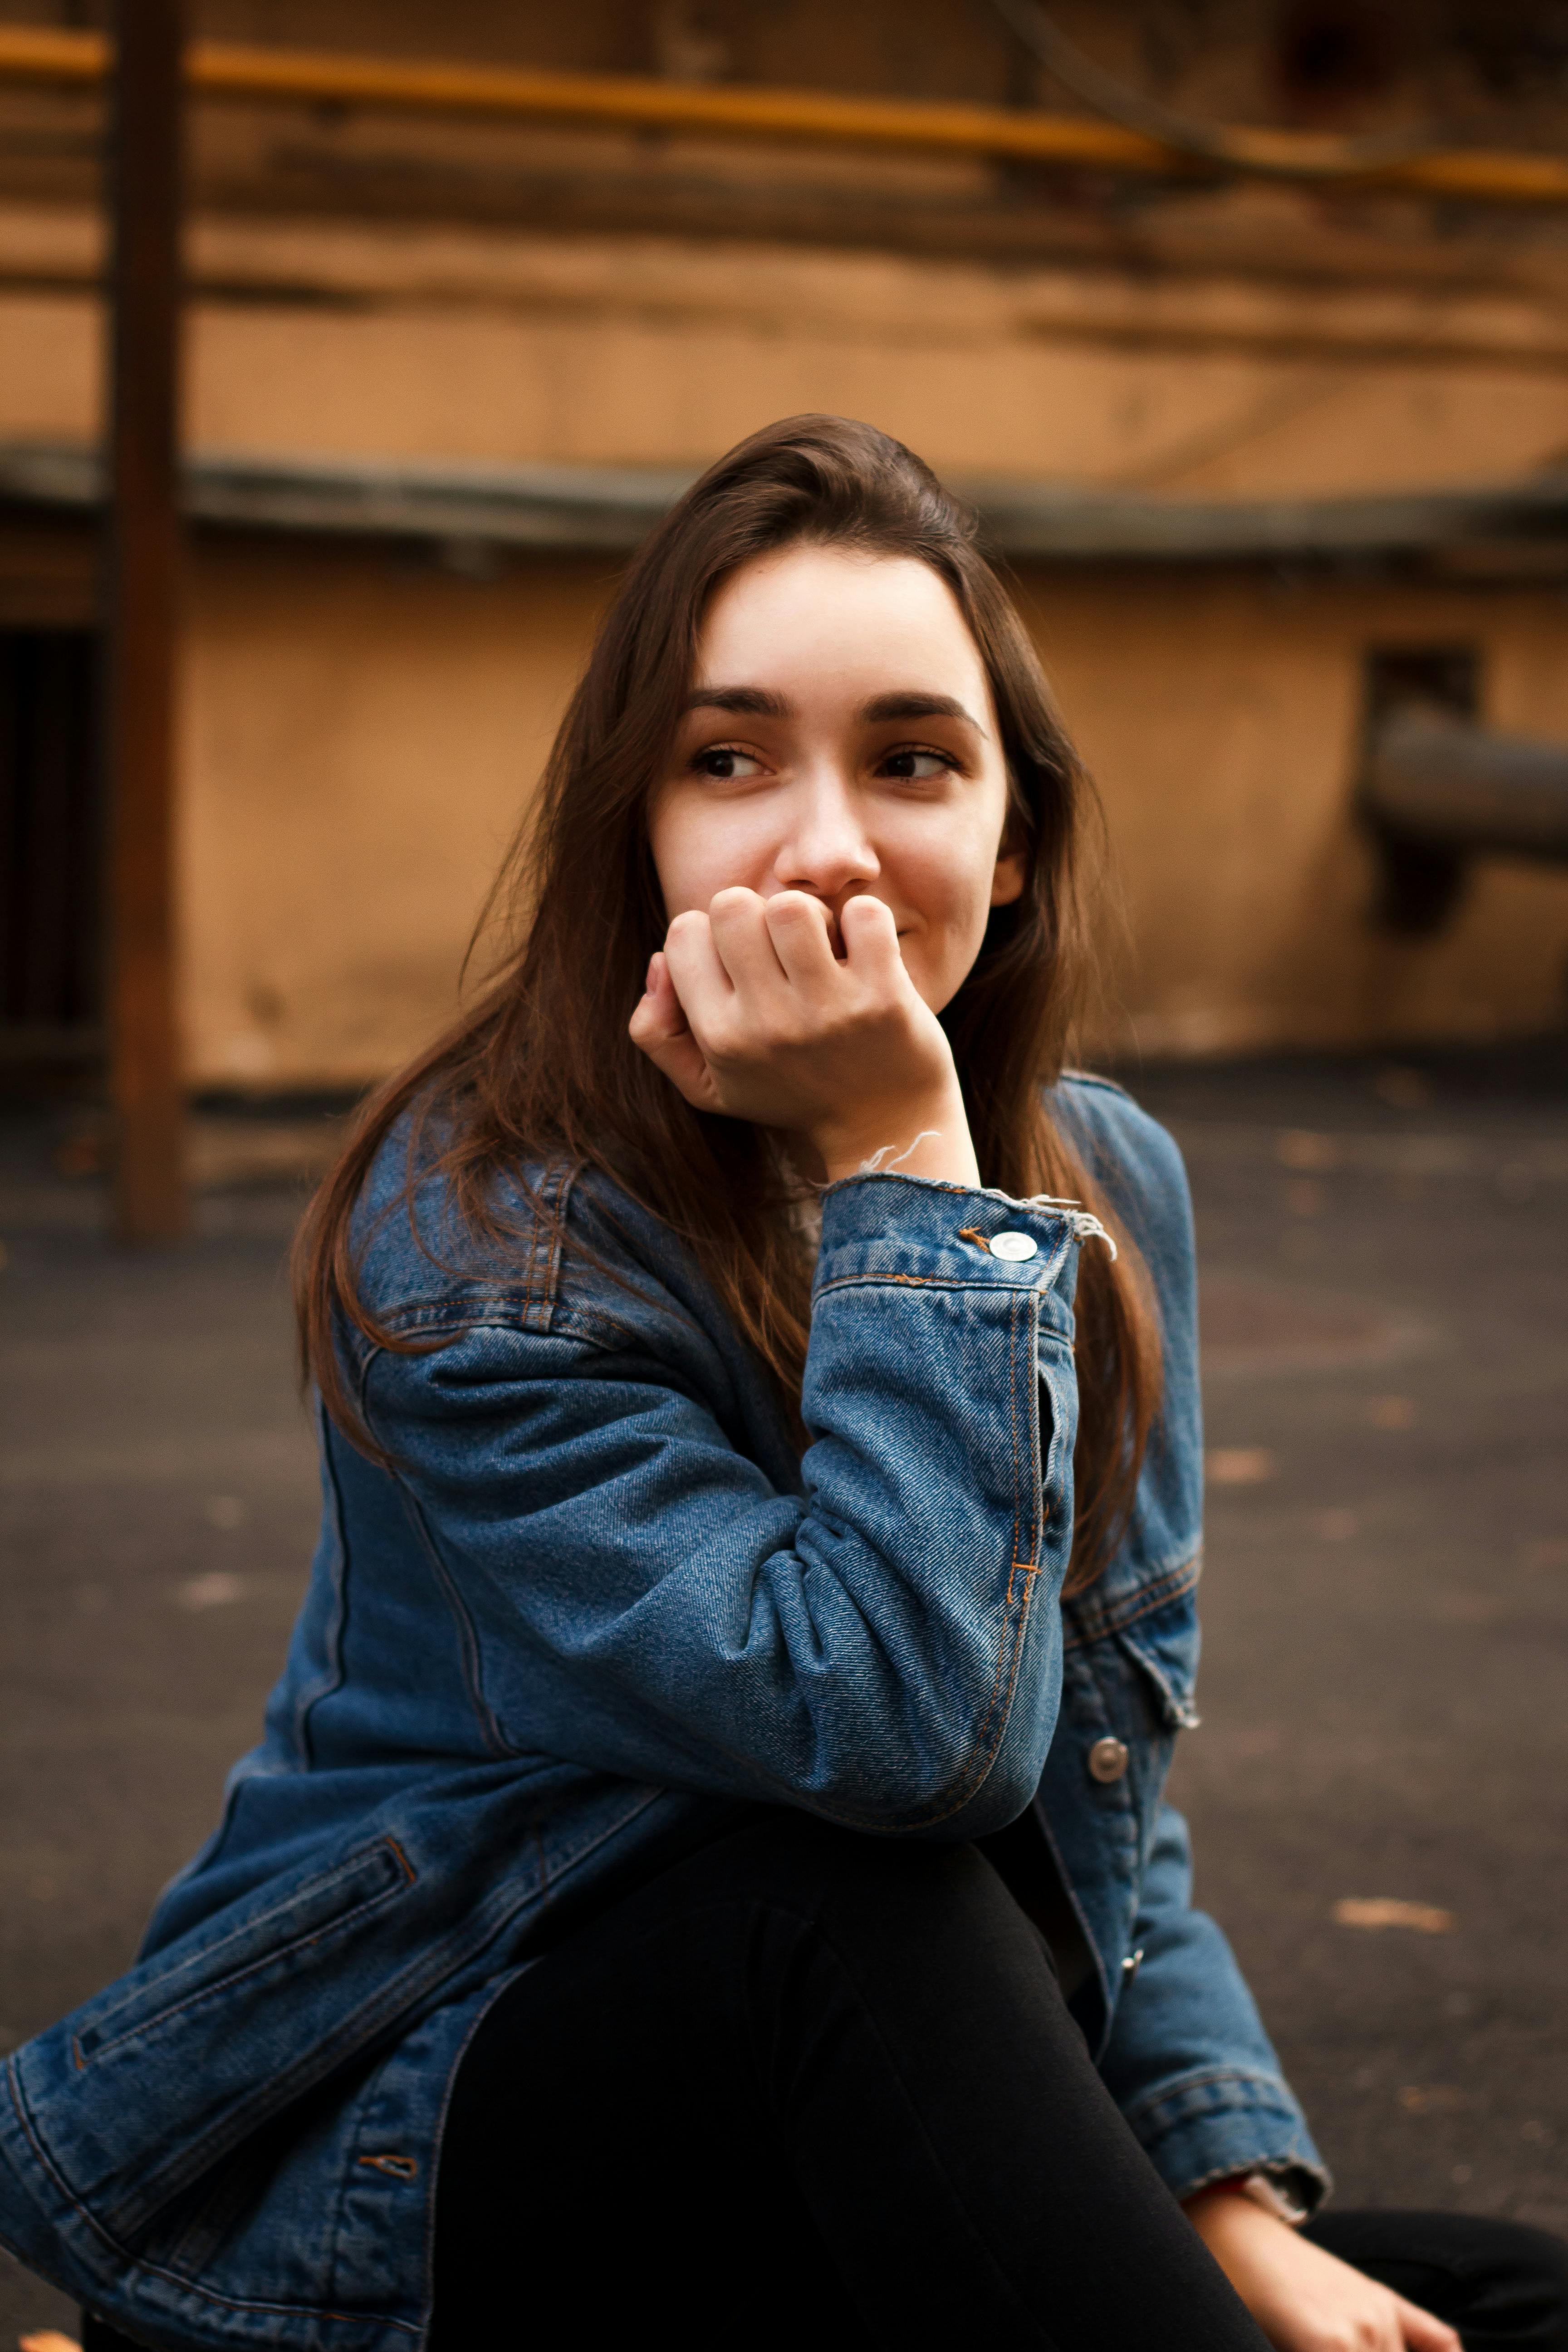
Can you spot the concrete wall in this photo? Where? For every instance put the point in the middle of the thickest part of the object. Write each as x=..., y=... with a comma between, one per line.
x=362, y=733
x=360, y=737
x=456, y=342
x=361, y=730
x=1221, y=718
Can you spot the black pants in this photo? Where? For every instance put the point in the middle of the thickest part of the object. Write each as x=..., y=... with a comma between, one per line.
x=809, y=2088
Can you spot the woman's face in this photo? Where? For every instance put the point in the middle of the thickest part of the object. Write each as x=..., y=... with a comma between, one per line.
x=839, y=739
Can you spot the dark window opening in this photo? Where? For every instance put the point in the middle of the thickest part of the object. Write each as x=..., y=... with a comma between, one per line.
x=1449, y=676
x=51, y=831
x=1331, y=53
x=1419, y=882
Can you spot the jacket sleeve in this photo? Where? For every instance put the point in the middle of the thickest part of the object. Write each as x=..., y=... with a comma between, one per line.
x=883, y=1647
x=1188, y=2060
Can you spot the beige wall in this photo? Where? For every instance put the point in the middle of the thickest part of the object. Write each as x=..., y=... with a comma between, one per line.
x=361, y=735
x=1221, y=718
x=361, y=732
x=432, y=342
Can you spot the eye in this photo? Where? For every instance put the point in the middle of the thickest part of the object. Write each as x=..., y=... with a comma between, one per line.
x=726, y=764
x=916, y=767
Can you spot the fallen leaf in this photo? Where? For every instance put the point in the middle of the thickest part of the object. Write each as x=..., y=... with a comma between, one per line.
x=1388, y=1911
x=215, y=1590
x=1406, y=1090
x=1238, y=1466
x=1431, y=2098
x=1298, y=1147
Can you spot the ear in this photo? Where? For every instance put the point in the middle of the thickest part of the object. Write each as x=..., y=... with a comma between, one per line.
x=1012, y=873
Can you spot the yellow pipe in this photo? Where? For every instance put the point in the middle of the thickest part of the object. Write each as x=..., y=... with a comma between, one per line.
x=305, y=76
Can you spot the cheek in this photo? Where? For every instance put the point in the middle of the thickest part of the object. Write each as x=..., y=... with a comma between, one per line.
x=697, y=849
x=952, y=894
x=952, y=900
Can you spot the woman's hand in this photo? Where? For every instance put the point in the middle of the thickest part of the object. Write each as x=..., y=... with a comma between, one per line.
x=1303, y=2299
x=748, y=1010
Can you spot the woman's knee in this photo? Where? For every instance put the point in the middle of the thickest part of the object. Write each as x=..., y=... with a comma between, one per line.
x=885, y=1899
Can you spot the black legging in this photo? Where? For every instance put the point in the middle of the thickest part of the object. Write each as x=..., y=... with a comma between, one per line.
x=807, y=2089
x=811, y=2088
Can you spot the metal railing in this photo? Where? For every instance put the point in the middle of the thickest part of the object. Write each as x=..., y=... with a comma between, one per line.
x=255, y=75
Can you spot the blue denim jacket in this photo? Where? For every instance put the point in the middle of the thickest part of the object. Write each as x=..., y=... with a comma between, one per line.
x=601, y=1601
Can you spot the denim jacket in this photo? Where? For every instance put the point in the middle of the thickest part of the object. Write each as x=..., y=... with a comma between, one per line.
x=601, y=1601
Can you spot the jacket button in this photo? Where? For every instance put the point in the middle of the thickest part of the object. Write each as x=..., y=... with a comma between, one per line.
x=1108, y=1761
x=1131, y=1964
x=1014, y=1245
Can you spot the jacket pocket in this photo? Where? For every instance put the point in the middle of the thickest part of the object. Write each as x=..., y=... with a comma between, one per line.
x=1163, y=1645
x=223, y=2036
x=263, y=1947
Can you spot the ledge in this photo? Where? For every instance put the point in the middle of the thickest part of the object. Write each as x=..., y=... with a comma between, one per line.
x=1507, y=531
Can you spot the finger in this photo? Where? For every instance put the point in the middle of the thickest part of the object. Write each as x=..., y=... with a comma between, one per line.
x=696, y=971
x=870, y=939
x=660, y=1014
x=800, y=929
x=681, y=1061
x=1422, y=2331
x=739, y=921
x=658, y=1028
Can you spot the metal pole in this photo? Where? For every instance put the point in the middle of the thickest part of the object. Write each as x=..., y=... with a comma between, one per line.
x=143, y=583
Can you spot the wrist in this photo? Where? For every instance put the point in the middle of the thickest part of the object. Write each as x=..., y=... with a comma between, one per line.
x=1256, y=2190
x=928, y=1136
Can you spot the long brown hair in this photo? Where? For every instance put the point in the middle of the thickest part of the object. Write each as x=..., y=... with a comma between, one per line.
x=541, y=1068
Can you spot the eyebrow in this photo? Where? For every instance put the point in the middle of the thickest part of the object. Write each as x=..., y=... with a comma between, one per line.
x=744, y=701
x=760, y=702
x=908, y=703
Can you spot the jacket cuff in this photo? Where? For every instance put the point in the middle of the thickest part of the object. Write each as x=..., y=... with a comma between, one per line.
x=1225, y=2121
x=913, y=1229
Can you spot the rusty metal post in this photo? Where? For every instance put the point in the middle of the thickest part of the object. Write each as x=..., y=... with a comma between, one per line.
x=143, y=599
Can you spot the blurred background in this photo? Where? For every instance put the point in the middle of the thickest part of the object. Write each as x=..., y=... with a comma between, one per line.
x=1245, y=324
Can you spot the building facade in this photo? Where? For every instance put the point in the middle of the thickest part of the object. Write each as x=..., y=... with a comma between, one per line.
x=441, y=368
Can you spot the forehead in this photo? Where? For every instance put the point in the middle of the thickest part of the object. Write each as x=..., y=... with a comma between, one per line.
x=830, y=612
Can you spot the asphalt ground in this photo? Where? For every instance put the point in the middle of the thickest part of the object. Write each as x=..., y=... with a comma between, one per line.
x=1385, y=1688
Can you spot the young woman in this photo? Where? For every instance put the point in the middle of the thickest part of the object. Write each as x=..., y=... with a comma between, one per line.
x=705, y=1865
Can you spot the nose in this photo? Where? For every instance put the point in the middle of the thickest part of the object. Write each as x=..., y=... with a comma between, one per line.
x=826, y=848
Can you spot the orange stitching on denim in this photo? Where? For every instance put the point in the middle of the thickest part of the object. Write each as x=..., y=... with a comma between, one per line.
x=531, y=1293
x=978, y=1762
x=1012, y=1416
x=972, y=1764
x=1026, y=1567
x=1102, y=1623
x=968, y=1234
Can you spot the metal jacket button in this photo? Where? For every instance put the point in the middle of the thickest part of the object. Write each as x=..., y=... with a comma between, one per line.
x=1108, y=1759
x=1014, y=1245
x=1131, y=1964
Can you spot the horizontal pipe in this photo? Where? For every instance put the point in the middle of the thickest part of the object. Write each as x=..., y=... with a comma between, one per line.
x=222, y=69
x=1520, y=529
x=1450, y=785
